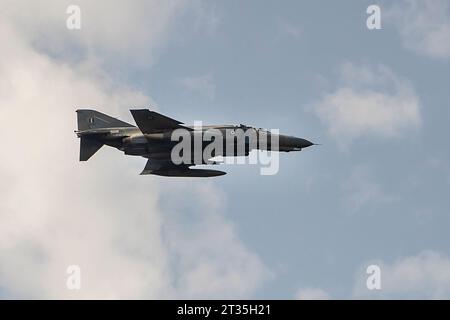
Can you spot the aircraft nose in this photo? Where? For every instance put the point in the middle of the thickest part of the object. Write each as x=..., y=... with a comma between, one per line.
x=302, y=143
x=291, y=143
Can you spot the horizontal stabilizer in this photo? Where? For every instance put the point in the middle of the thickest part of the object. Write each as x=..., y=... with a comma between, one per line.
x=151, y=121
x=88, y=146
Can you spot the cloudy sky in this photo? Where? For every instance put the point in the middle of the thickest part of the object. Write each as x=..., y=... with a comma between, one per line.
x=375, y=192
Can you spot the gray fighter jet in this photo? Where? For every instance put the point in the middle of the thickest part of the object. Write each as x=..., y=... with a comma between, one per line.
x=153, y=138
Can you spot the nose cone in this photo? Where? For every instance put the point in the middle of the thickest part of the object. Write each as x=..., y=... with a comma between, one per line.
x=289, y=143
x=302, y=143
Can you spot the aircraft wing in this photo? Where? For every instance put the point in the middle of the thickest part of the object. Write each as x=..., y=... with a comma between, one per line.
x=152, y=122
x=169, y=169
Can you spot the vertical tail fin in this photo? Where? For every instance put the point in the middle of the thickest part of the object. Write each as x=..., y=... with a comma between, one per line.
x=91, y=119
x=88, y=146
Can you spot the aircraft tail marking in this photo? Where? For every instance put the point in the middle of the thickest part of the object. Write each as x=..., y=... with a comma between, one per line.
x=91, y=119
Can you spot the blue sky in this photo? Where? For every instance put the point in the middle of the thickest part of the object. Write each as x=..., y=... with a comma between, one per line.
x=297, y=221
x=375, y=191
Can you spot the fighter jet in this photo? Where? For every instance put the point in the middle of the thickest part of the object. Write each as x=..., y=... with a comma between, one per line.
x=153, y=139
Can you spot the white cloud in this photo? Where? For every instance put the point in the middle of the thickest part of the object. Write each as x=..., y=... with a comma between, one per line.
x=203, y=85
x=311, y=294
x=368, y=101
x=202, y=268
x=101, y=215
x=424, y=26
x=423, y=276
x=132, y=32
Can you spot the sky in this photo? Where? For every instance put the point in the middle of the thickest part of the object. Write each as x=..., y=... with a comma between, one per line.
x=375, y=192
